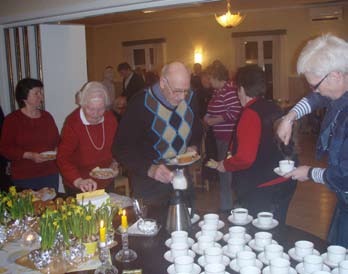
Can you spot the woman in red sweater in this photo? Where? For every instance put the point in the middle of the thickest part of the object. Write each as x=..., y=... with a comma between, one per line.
x=86, y=141
x=26, y=133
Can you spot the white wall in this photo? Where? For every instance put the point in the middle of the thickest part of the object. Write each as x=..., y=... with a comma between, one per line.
x=64, y=67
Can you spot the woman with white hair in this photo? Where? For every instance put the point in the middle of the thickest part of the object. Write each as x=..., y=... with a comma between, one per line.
x=86, y=141
x=324, y=63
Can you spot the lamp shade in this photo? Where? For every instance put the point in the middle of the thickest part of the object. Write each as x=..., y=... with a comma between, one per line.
x=229, y=20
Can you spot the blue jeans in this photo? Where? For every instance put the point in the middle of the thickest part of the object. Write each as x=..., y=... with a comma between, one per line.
x=226, y=200
x=38, y=182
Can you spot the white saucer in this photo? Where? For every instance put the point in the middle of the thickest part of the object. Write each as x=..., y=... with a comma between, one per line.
x=327, y=262
x=279, y=172
x=247, y=238
x=198, y=251
x=196, y=269
x=217, y=238
x=233, y=255
x=266, y=270
x=168, y=242
x=295, y=257
x=263, y=259
x=169, y=258
x=235, y=267
x=221, y=224
x=300, y=269
x=233, y=221
x=256, y=247
x=202, y=262
x=273, y=225
x=195, y=219
x=225, y=272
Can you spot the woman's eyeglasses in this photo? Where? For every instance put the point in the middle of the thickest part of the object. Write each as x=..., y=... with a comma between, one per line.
x=315, y=87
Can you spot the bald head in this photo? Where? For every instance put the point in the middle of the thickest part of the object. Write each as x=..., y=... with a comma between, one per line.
x=175, y=82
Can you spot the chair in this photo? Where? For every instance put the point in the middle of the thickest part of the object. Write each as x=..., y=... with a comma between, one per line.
x=122, y=181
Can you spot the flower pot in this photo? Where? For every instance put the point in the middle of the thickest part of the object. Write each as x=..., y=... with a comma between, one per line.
x=91, y=248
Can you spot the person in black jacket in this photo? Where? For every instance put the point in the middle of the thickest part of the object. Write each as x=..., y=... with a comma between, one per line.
x=132, y=82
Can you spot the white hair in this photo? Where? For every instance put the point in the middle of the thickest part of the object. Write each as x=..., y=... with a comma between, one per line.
x=92, y=91
x=323, y=55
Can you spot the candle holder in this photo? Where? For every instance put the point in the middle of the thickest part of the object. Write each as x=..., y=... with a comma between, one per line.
x=125, y=254
x=106, y=267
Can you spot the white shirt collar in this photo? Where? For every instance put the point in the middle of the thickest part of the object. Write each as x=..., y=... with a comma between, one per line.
x=84, y=119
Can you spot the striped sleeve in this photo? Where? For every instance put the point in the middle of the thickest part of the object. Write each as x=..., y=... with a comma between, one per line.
x=232, y=105
x=317, y=175
x=302, y=108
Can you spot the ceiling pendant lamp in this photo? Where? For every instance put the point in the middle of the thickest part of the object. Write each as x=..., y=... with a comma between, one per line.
x=229, y=20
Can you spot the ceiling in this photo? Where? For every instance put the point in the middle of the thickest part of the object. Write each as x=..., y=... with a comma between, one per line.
x=195, y=10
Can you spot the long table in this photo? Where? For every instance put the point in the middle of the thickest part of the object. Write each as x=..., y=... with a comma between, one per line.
x=150, y=250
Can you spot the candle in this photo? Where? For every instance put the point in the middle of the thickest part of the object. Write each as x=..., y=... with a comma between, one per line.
x=124, y=221
x=102, y=235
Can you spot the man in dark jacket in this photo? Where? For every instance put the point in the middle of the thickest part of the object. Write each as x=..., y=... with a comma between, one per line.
x=132, y=82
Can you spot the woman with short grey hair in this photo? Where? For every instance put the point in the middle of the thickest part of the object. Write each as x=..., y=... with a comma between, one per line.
x=86, y=142
x=324, y=63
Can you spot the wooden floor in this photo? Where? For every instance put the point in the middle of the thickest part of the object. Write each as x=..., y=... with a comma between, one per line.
x=312, y=205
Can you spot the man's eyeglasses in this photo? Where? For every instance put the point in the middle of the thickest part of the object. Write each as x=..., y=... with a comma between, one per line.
x=315, y=87
x=185, y=91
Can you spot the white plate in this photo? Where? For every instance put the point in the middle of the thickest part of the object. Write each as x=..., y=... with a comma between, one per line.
x=247, y=238
x=257, y=248
x=273, y=225
x=221, y=224
x=235, y=267
x=266, y=270
x=196, y=269
x=202, y=262
x=300, y=268
x=169, y=258
x=174, y=161
x=190, y=242
x=327, y=262
x=198, y=251
x=195, y=219
x=233, y=221
x=97, y=175
x=233, y=255
x=50, y=155
x=297, y=258
x=217, y=238
x=263, y=259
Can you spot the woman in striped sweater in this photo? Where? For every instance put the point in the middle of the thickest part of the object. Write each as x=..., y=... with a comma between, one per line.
x=222, y=114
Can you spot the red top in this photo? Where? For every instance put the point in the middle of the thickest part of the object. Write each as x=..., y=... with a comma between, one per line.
x=248, y=140
x=76, y=154
x=20, y=134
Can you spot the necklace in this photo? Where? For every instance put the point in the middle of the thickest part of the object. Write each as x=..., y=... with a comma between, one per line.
x=91, y=140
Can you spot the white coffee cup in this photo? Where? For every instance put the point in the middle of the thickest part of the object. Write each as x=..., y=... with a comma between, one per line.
x=336, y=253
x=263, y=239
x=209, y=230
x=240, y=214
x=312, y=263
x=213, y=255
x=303, y=248
x=343, y=267
x=286, y=166
x=273, y=251
x=211, y=219
x=179, y=236
x=183, y=264
x=265, y=218
x=235, y=245
x=279, y=266
x=246, y=258
x=179, y=249
x=236, y=232
x=214, y=269
x=205, y=242
x=250, y=270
